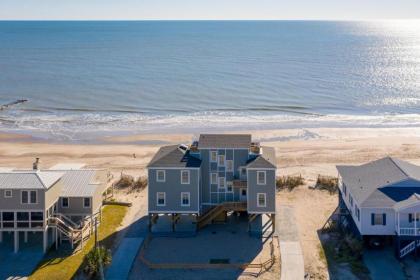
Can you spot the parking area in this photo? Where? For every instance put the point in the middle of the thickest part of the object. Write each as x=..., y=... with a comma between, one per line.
x=228, y=243
x=21, y=264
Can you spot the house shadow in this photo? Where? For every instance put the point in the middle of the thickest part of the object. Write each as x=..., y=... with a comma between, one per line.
x=228, y=243
x=218, y=251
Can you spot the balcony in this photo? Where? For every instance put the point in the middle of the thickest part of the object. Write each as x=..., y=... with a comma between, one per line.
x=408, y=231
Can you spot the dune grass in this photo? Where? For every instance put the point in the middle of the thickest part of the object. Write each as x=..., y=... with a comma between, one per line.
x=61, y=265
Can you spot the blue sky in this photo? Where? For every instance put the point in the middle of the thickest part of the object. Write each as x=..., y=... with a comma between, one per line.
x=209, y=9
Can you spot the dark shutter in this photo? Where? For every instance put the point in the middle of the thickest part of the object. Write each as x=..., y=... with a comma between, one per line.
x=372, y=219
x=410, y=218
x=384, y=219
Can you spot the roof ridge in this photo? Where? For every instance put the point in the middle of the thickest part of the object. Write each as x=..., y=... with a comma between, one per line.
x=39, y=178
x=399, y=167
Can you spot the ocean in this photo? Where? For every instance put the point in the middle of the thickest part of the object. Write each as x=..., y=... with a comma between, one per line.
x=87, y=79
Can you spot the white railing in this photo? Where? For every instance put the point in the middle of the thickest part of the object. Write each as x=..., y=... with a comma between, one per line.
x=408, y=231
x=407, y=249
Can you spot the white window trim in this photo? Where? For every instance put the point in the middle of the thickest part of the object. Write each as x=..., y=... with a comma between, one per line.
x=8, y=196
x=90, y=202
x=164, y=199
x=258, y=200
x=29, y=197
x=211, y=157
x=258, y=178
x=189, y=199
x=227, y=165
x=224, y=160
x=68, y=202
x=186, y=183
x=211, y=178
x=218, y=183
x=164, y=176
x=231, y=184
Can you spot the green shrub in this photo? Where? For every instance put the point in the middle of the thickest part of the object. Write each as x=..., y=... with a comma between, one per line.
x=140, y=183
x=124, y=182
x=289, y=182
x=328, y=183
x=94, y=258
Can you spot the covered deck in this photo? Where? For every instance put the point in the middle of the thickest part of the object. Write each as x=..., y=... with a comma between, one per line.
x=407, y=216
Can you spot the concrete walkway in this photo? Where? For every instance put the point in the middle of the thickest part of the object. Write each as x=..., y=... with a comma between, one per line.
x=292, y=266
x=124, y=258
x=383, y=265
x=127, y=250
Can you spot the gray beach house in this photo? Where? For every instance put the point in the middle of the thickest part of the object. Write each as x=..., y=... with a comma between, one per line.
x=380, y=202
x=54, y=204
x=217, y=174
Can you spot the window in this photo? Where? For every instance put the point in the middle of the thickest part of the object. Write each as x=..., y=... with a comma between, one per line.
x=33, y=197
x=229, y=186
x=185, y=176
x=161, y=199
x=222, y=182
x=261, y=199
x=357, y=212
x=221, y=161
x=261, y=177
x=229, y=165
x=185, y=199
x=344, y=190
x=160, y=176
x=8, y=193
x=213, y=178
x=243, y=171
x=29, y=197
x=86, y=202
x=378, y=219
x=411, y=217
x=213, y=156
x=351, y=200
x=65, y=202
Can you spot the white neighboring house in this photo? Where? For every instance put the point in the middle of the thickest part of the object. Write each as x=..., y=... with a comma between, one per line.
x=383, y=200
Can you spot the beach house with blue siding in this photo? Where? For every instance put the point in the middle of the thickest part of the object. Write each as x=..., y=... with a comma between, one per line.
x=217, y=174
x=381, y=200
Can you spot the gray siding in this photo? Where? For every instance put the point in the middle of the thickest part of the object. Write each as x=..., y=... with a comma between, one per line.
x=14, y=202
x=173, y=188
x=52, y=194
x=75, y=207
x=269, y=189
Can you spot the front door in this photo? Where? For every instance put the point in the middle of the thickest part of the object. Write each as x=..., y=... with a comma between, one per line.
x=242, y=194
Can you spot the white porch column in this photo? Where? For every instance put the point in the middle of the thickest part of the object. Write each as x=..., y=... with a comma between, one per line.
x=45, y=240
x=16, y=241
x=25, y=236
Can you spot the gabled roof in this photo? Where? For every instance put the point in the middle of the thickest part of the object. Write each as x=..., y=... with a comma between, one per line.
x=224, y=141
x=29, y=179
x=369, y=182
x=267, y=159
x=79, y=183
x=172, y=156
x=415, y=198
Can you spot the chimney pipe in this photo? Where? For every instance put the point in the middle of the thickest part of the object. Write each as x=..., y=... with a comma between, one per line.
x=35, y=164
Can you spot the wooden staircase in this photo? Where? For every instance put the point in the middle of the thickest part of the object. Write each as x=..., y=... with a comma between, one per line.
x=409, y=248
x=76, y=234
x=210, y=215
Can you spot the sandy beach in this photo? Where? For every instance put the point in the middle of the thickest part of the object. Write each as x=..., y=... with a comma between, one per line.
x=307, y=152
